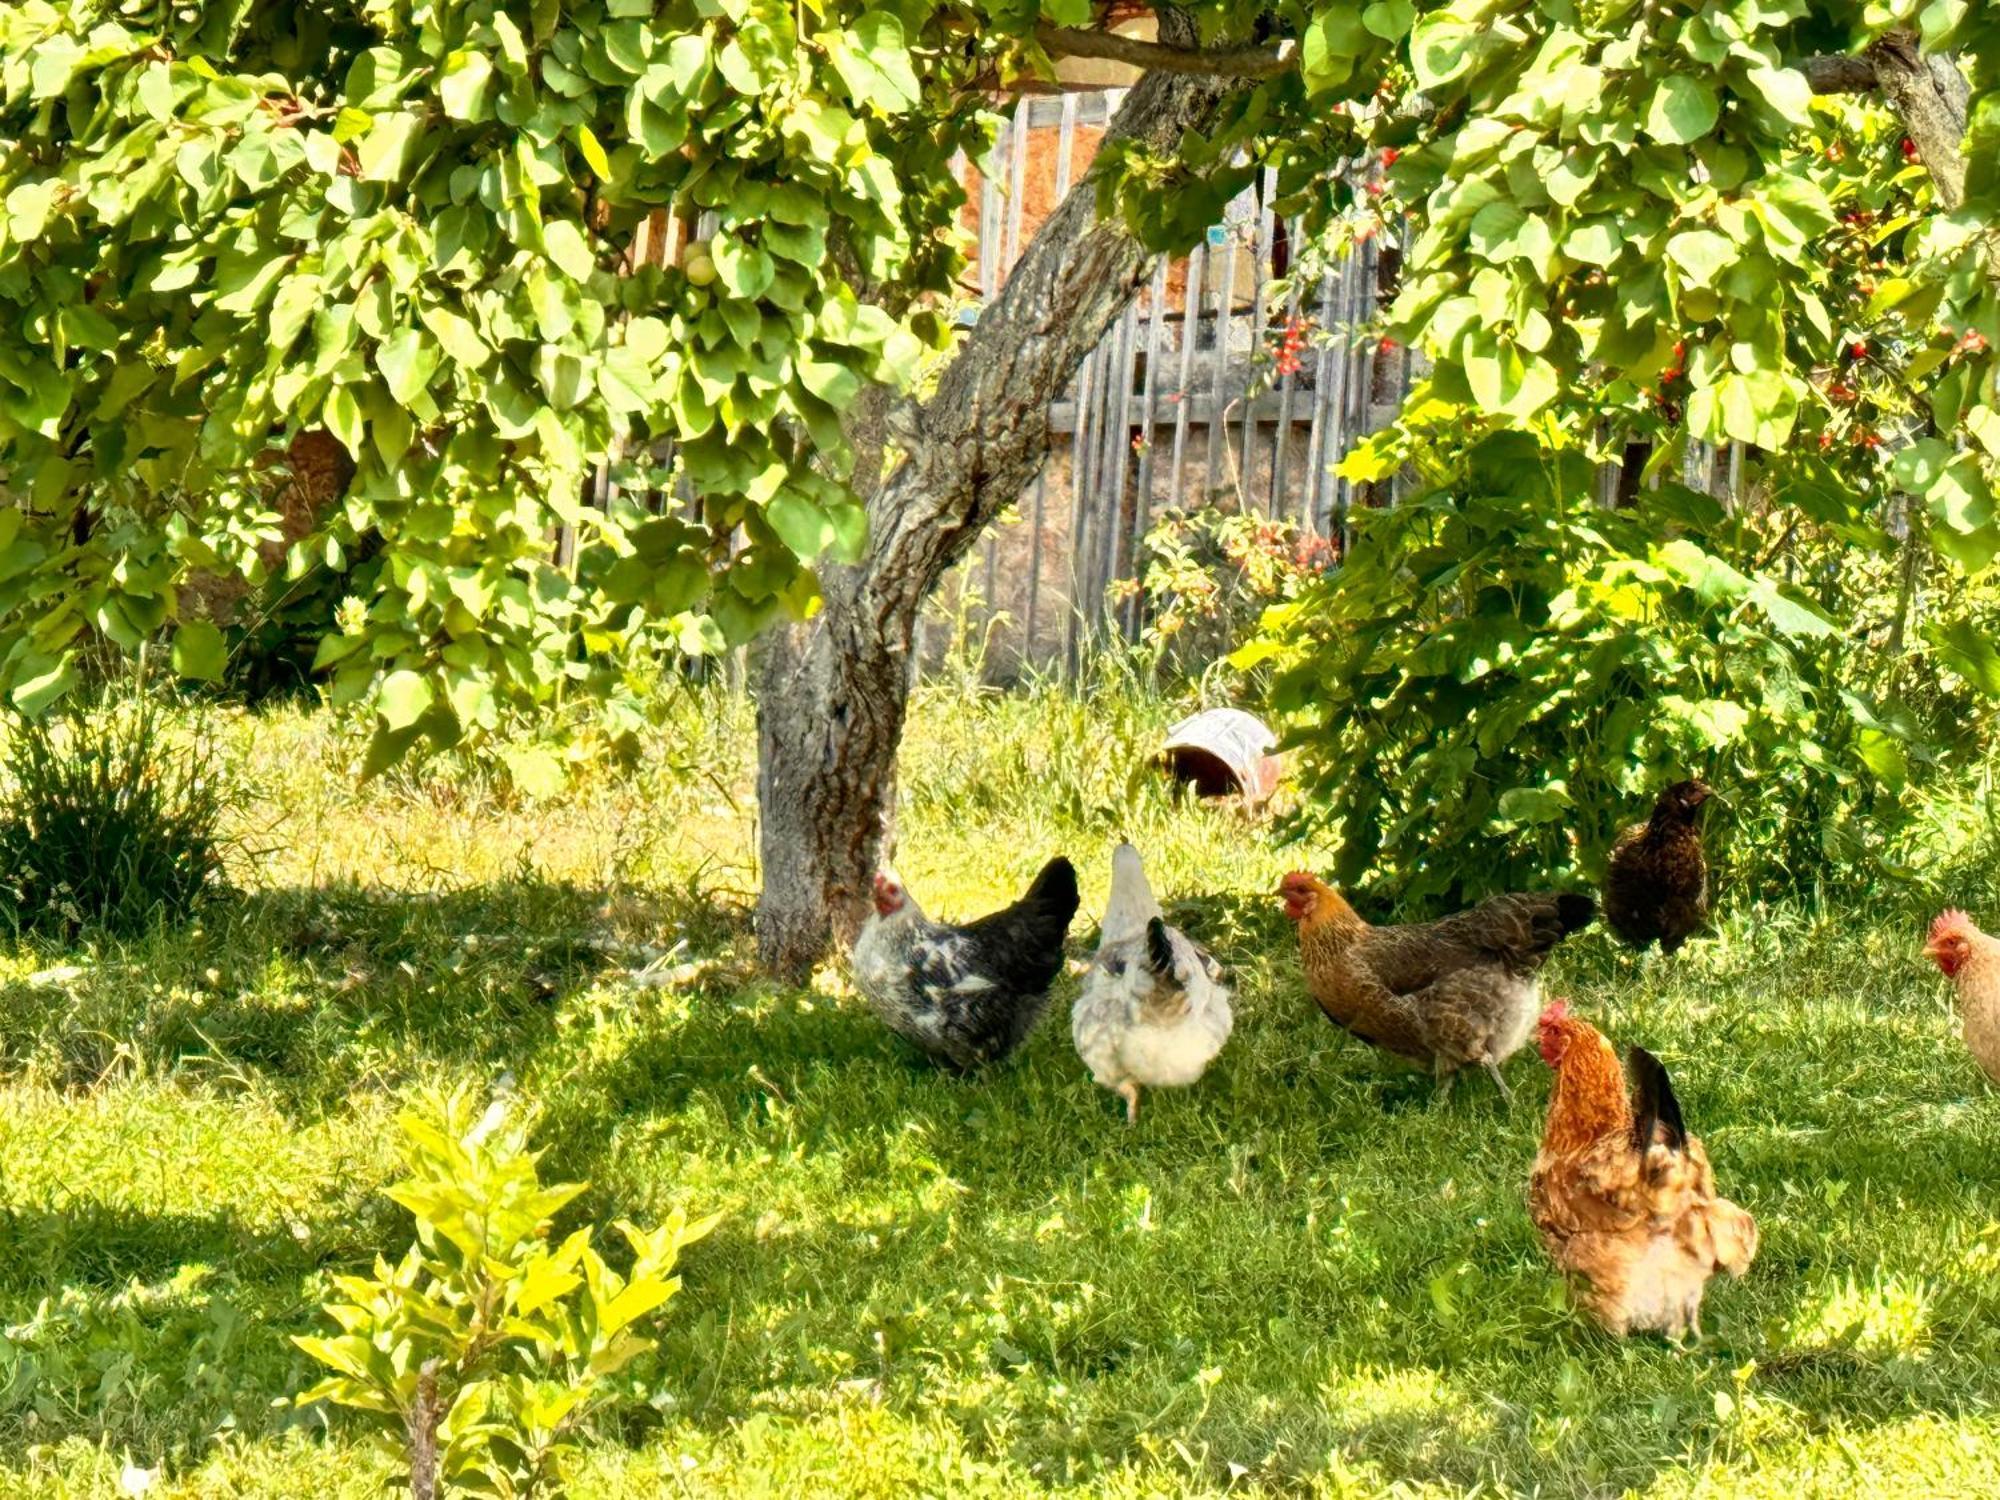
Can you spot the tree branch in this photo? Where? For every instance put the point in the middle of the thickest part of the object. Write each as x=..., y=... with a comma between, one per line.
x=1158, y=57
x=1827, y=75
x=1929, y=96
x=1839, y=75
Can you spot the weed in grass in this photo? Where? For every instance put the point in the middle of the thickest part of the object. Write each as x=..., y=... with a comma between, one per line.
x=108, y=821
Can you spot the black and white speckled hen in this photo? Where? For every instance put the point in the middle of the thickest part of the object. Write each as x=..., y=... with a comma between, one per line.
x=965, y=995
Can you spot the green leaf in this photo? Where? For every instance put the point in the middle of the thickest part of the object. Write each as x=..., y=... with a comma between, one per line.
x=1389, y=19
x=835, y=384
x=199, y=652
x=1595, y=242
x=1758, y=408
x=743, y=270
x=593, y=151
x=800, y=525
x=464, y=86
x=1702, y=254
x=537, y=775
x=390, y=147
x=873, y=61
x=407, y=362
x=1444, y=46
x=1332, y=42
x=41, y=680
x=1682, y=109
x=567, y=249
x=405, y=697
x=1969, y=651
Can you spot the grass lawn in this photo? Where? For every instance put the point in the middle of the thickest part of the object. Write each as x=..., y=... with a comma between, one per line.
x=1301, y=1277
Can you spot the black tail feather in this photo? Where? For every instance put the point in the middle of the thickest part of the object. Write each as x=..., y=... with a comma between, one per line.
x=1654, y=1104
x=1159, y=951
x=1055, y=887
x=1574, y=911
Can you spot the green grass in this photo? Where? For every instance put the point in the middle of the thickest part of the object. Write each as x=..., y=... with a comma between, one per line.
x=1302, y=1277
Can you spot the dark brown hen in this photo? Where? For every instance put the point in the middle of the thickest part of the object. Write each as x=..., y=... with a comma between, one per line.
x=1656, y=888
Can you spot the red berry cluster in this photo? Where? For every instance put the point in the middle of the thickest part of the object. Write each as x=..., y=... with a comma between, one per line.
x=1314, y=554
x=1670, y=408
x=1389, y=156
x=1292, y=345
x=1972, y=341
x=1909, y=149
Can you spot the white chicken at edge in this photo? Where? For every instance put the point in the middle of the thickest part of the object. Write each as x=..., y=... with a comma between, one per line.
x=1153, y=1012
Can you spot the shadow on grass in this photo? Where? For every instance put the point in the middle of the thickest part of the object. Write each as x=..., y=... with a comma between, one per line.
x=309, y=990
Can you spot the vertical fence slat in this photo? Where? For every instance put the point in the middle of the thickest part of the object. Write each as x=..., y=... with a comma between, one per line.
x=1191, y=314
x=1316, y=455
x=1260, y=261
x=1082, y=460
x=1117, y=454
x=1065, y=144
x=1142, y=501
x=1225, y=318
x=1287, y=389
x=1017, y=177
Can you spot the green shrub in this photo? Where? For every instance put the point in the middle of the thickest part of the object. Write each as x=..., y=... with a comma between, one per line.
x=108, y=821
x=481, y=1351
x=1497, y=679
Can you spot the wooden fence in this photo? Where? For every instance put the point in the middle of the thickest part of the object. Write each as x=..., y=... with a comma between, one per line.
x=1180, y=406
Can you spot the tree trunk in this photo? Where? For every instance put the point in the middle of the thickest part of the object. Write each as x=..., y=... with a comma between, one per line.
x=832, y=692
x=1929, y=96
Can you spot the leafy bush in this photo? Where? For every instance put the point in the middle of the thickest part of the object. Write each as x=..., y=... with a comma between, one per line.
x=108, y=821
x=483, y=1349
x=1503, y=672
x=1209, y=575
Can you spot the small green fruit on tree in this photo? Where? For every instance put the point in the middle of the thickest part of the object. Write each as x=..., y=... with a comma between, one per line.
x=485, y=1347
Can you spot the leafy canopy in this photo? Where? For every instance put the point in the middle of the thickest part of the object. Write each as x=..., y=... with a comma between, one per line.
x=413, y=223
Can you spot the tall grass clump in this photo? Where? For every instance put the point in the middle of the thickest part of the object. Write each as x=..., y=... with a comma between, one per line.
x=107, y=821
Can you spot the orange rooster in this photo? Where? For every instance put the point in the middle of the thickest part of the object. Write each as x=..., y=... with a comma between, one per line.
x=1971, y=961
x=1622, y=1194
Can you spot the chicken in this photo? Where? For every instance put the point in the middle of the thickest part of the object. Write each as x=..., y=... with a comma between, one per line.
x=1971, y=961
x=1154, y=1011
x=1622, y=1194
x=1444, y=994
x=1657, y=882
x=965, y=995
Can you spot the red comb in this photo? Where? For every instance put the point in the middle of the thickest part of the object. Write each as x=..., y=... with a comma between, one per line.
x=1950, y=920
x=1555, y=1011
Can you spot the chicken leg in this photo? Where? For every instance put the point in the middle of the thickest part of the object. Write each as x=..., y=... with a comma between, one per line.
x=1129, y=1092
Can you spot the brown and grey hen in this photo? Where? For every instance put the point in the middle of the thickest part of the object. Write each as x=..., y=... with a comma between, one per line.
x=1446, y=994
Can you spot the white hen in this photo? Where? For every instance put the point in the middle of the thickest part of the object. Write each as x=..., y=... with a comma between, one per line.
x=1154, y=1011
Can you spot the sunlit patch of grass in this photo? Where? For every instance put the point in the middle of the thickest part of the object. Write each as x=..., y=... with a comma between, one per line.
x=1889, y=1316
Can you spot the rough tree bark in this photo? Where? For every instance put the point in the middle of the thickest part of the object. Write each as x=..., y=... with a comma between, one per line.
x=1929, y=96
x=832, y=692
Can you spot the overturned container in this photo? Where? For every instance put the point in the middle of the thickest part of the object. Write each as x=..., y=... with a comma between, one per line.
x=1223, y=752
